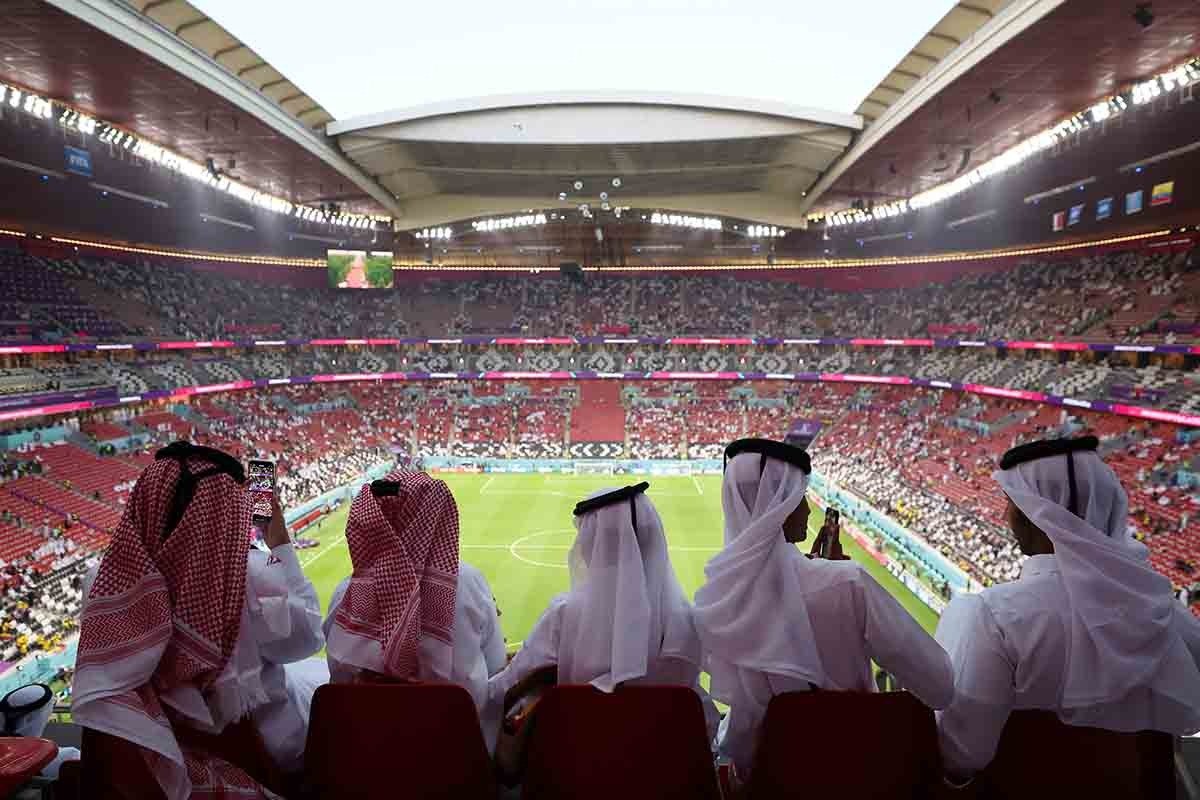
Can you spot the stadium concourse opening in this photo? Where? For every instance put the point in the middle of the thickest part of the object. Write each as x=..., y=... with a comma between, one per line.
x=600, y=433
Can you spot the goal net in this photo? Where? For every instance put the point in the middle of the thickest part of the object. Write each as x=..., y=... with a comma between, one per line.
x=594, y=468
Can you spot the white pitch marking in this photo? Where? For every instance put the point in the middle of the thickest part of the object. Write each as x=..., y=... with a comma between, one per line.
x=486, y=484
x=696, y=483
x=323, y=550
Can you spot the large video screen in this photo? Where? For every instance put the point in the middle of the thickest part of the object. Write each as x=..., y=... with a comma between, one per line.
x=358, y=269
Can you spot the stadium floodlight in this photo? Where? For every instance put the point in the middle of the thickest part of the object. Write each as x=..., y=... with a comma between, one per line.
x=616, y=183
x=604, y=195
x=578, y=186
x=562, y=195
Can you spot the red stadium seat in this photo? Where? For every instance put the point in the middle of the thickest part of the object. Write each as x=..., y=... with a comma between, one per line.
x=1041, y=757
x=375, y=740
x=847, y=745
x=21, y=758
x=638, y=742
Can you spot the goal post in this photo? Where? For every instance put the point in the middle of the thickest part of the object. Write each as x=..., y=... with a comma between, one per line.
x=594, y=468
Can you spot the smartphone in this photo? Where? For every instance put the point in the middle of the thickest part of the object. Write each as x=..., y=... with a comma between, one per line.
x=260, y=483
x=832, y=519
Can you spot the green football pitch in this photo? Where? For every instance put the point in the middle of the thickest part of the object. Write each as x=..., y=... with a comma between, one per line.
x=517, y=529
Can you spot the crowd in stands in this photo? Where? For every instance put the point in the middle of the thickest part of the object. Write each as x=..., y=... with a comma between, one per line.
x=1127, y=296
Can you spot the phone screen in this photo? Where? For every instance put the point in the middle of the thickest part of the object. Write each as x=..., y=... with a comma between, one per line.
x=832, y=517
x=260, y=483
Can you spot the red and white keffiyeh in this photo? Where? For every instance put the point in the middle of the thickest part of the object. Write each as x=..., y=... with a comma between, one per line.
x=397, y=616
x=159, y=629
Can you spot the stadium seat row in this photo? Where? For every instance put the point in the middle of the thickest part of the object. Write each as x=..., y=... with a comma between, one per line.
x=372, y=741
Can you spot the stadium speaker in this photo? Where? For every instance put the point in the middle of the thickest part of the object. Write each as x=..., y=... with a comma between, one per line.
x=571, y=271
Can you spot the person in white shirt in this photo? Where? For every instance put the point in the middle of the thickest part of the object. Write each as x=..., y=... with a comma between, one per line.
x=773, y=621
x=625, y=618
x=185, y=626
x=411, y=609
x=1090, y=630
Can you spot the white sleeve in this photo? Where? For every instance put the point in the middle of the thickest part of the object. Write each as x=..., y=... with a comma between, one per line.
x=334, y=601
x=969, y=729
x=901, y=646
x=537, y=651
x=492, y=637
x=1189, y=629
x=285, y=615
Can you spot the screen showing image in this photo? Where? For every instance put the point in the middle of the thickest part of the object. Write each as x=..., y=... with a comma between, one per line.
x=1104, y=208
x=1075, y=215
x=1133, y=202
x=260, y=483
x=358, y=269
x=1162, y=193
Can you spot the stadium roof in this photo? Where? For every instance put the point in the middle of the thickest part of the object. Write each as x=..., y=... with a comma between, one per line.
x=1030, y=65
x=167, y=73
x=694, y=153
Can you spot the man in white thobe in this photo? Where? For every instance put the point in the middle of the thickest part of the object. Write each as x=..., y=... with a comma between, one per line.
x=403, y=538
x=478, y=642
x=1090, y=630
x=773, y=621
x=625, y=618
x=281, y=626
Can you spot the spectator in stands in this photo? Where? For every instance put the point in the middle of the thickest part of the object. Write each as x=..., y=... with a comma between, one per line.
x=625, y=618
x=411, y=609
x=772, y=621
x=179, y=562
x=1090, y=630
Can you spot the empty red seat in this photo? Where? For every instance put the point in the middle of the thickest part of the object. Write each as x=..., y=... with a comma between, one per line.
x=640, y=742
x=377, y=740
x=846, y=745
x=21, y=758
x=1041, y=757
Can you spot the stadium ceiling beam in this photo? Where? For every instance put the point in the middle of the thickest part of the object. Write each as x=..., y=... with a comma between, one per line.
x=126, y=24
x=153, y=4
x=273, y=84
x=983, y=12
x=1013, y=20
x=195, y=23
x=944, y=37
x=290, y=98
x=890, y=88
x=224, y=51
x=906, y=74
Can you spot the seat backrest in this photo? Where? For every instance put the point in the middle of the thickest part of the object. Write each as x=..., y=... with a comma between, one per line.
x=377, y=740
x=1040, y=756
x=113, y=768
x=847, y=745
x=638, y=742
x=21, y=758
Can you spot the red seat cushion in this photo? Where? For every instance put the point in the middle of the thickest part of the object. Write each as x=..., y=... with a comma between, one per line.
x=21, y=758
x=638, y=743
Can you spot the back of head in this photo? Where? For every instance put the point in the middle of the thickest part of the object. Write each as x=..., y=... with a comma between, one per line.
x=625, y=606
x=1121, y=611
x=397, y=616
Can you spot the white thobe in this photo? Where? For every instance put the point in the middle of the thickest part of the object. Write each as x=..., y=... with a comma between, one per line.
x=541, y=649
x=1009, y=648
x=478, y=644
x=282, y=620
x=854, y=620
x=285, y=621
